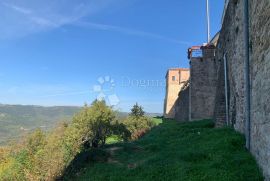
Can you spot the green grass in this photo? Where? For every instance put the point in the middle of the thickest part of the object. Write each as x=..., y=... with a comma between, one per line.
x=116, y=139
x=157, y=120
x=175, y=151
x=113, y=139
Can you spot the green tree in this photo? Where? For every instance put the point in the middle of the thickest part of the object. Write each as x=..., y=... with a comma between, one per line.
x=138, y=126
x=94, y=124
x=120, y=130
x=136, y=123
x=137, y=111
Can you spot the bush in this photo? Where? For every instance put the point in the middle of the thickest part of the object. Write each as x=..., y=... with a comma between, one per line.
x=138, y=126
x=137, y=123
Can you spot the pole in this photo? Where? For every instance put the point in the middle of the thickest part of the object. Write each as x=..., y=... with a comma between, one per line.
x=189, y=105
x=247, y=73
x=226, y=89
x=208, y=21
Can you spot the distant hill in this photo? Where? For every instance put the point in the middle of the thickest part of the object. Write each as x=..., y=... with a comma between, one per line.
x=154, y=114
x=16, y=120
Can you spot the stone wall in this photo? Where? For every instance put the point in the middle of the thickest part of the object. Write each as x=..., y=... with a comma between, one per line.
x=220, y=106
x=231, y=43
x=260, y=82
x=182, y=104
x=196, y=101
x=203, y=82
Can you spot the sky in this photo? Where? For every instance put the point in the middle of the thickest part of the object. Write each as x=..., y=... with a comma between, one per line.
x=71, y=52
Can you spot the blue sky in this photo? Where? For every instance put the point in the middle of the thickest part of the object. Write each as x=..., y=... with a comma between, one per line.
x=68, y=52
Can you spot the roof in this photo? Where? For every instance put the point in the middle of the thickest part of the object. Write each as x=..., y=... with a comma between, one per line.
x=183, y=69
x=215, y=38
x=178, y=69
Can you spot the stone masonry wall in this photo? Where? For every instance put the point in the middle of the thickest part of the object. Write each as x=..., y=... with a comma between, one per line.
x=231, y=43
x=260, y=82
x=182, y=105
x=220, y=103
x=203, y=85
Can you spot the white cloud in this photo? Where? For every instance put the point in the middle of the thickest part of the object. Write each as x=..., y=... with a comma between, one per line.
x=18, y=9
x=105, y=27
x=22, y=17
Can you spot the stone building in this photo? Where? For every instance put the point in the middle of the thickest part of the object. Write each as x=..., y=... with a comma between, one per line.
x=196, y=99
x=203, y=81
x=217, y=79
x=175, y=79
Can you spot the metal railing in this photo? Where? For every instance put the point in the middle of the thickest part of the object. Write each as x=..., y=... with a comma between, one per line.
x=196, y=53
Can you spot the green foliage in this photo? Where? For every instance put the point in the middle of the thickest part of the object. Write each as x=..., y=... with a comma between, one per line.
x=138, y=126
x=137, y=111
x=95, y=123
x=121, y=131
x=193, y=151
x=36, y=141
x=45, y=156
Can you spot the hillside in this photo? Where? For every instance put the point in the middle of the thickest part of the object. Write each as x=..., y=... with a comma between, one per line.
x=173, y=151
x=17, y=120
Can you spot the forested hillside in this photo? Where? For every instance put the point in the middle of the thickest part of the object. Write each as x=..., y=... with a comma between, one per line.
x=16, y=120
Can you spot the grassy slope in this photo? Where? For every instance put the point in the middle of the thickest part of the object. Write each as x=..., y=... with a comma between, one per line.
x=115, y=139
x=176, y=151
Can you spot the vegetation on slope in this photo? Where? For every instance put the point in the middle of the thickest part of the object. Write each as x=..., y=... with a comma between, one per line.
x=19, y=120
x=46, y=155
x=174, y=151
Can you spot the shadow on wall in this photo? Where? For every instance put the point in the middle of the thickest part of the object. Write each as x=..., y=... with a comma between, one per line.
x=182, y=104
x=172, y=111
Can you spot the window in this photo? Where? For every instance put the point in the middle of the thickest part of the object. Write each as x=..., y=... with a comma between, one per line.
x=173, y=78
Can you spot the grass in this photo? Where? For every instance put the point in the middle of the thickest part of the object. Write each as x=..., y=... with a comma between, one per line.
x=175, y=151
x=116, y=139
x=113, y=139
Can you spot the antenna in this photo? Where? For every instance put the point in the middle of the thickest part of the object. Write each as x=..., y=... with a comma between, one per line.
x=208, y=21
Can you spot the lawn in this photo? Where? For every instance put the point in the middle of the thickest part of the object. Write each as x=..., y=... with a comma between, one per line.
x=175, y=151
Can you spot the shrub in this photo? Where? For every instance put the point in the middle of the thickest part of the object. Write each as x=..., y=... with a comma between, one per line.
x=138, y=126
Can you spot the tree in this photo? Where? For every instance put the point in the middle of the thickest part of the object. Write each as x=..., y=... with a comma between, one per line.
x=94, y=124
x=121, y=131
x=137, y=123
x=137, y=111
